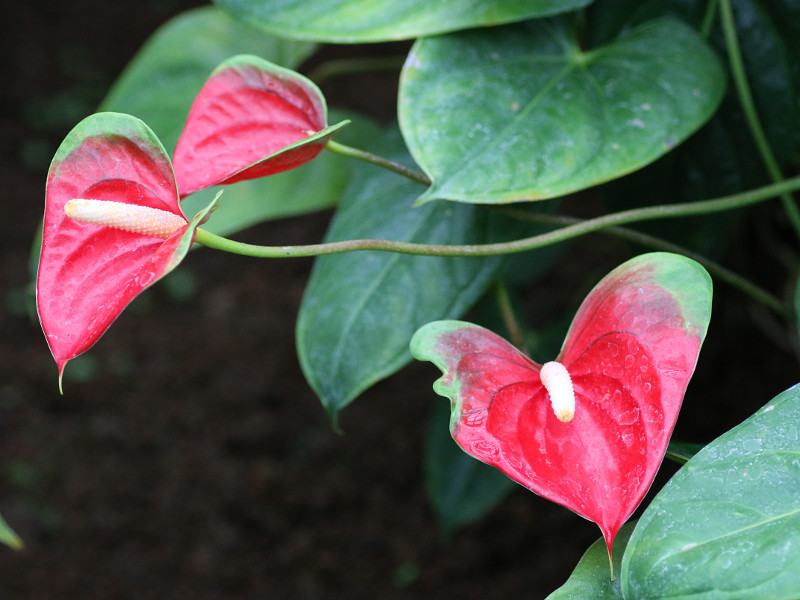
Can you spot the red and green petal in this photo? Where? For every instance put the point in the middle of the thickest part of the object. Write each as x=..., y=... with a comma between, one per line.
x=630, y=353
x=88, y=273
x=251, y=119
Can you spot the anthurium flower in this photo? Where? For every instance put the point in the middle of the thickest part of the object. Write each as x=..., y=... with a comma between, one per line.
x=588, y=430
x=112, y=227
x=251, y=118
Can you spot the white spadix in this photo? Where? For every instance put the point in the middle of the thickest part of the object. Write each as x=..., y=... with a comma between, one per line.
x=558, y=384
x=127, y=217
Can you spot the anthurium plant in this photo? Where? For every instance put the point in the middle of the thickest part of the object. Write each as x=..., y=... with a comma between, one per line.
x=512, y=116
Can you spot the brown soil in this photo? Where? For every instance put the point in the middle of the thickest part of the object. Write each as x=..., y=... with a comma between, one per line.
x=193, y=461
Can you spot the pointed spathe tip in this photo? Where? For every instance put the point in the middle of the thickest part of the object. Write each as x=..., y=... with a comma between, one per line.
x=609, y=539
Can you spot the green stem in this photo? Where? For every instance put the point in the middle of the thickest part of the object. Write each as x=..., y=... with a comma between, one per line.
x=503, y=299
x=347, y=66
x=708, y=18
x=378, y=161
x=718, y=271
x=750, y=112
x=685, y=209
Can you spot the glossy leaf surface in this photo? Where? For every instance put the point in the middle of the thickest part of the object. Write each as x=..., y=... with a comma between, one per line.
x=727, y=525
x=251, y=119
x=360, y=309
x=591, y=578
x=721, y=158
x=89, y=273
x=522, y=113
x=384, y=20
x=630, y=352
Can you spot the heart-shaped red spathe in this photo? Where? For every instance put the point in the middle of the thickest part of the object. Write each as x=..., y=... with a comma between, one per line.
x=251, y=119
x=630, y=353
x=88, y=273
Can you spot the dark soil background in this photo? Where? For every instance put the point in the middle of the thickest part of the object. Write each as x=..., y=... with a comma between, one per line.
x=189, y=459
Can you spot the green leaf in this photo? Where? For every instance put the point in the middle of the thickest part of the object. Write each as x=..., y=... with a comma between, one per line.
x=721, y=158
x=360, y=309
x=727, y=525
x=461, y=489
x=591, y=578
x=9, y=537
x=161, y=81
x=384, y=20
x=769, y=36
x=521, y=112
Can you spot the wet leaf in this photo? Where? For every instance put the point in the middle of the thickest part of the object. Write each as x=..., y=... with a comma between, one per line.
x=630, y=352
x=384, y=20
x=522, y=113
x=88, y=273
x=251, y=119
x=727, y=525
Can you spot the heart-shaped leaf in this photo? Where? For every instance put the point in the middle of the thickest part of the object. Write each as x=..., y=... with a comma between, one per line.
x=727, y=525
x=629, y=353
x=251, y=119
x=523, y=113
x=88, y=272
x=384, y=20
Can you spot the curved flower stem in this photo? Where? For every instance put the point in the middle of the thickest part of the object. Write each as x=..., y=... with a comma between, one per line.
x=749, y=109
x=722, y=273
x=210, y=240
x=378, y=161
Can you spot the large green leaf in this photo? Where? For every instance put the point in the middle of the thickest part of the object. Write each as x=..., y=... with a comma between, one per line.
x=361, y=309
x=727, y=525
x=591, y=579
x=161, y=81
x=769, y=35
x=521, y=112
x=722, y=158
x=384, y=20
